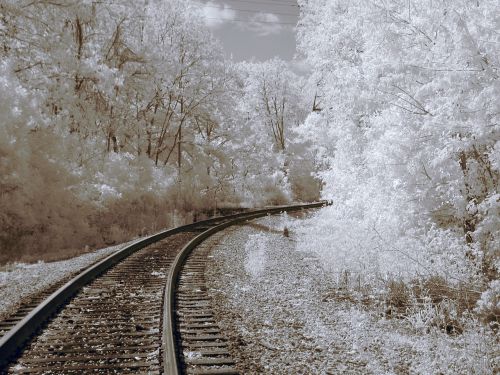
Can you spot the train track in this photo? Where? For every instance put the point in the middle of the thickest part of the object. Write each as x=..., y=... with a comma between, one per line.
x=144, y=309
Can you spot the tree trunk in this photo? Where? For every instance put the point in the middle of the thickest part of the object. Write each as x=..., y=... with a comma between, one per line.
x=469, y=222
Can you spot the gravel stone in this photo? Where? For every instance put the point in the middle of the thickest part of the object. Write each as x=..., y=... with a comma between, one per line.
x=269, y=296
x=23, y=280
x=273, y=300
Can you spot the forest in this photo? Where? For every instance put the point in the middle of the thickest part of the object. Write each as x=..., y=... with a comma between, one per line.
x=121, y=118
x=407, y=145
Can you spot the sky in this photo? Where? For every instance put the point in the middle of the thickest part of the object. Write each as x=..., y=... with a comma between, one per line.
x=253, y=29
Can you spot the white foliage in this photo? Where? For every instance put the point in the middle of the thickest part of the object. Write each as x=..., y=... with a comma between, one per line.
x=408, y=131
x=119, y=107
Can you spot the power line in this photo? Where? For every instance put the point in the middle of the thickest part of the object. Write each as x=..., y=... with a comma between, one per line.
x=248, y=21
x=266, y=3
x=246, y=10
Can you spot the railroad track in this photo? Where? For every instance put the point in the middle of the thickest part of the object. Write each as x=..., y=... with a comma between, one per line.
x=145, y=309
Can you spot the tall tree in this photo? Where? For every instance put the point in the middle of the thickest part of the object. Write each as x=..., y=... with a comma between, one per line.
x=408, y=92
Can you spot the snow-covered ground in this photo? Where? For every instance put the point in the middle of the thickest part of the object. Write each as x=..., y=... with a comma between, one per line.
x=274, y=294
x=20, y=280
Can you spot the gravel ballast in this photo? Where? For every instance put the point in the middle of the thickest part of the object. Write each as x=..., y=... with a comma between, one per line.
x=22, y=280
x=273, y=301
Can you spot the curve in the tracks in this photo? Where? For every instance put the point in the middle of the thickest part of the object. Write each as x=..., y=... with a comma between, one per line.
x=119, y=318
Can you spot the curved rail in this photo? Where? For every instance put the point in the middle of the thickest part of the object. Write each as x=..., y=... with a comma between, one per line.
x=13, y=342
x=171, y=355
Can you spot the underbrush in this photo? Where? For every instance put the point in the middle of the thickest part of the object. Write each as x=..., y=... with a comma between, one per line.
x=431, y=302
x=424, y=285
x=424, y=304
x=401, y=323
x=441, y=324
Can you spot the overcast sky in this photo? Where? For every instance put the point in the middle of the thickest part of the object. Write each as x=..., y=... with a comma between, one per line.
x=259, y=29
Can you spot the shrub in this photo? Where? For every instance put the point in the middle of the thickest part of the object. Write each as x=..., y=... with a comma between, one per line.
x=398, y=298
x=488, y=306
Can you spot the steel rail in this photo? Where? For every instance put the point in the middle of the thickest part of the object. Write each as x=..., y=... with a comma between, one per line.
x=171, y=363
x=12, y=343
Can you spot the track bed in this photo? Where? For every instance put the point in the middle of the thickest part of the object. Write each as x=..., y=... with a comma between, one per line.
x=144, y=309
x=113, y=324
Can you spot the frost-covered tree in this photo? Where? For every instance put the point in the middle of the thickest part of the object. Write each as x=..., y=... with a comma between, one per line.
x=103, y=87
x=408, y=131
x=272, y=99
x=136, y=110
x=37, y=200
x=271, y=107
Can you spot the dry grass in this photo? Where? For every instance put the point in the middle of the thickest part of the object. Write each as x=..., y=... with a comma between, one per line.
x=447, y=306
